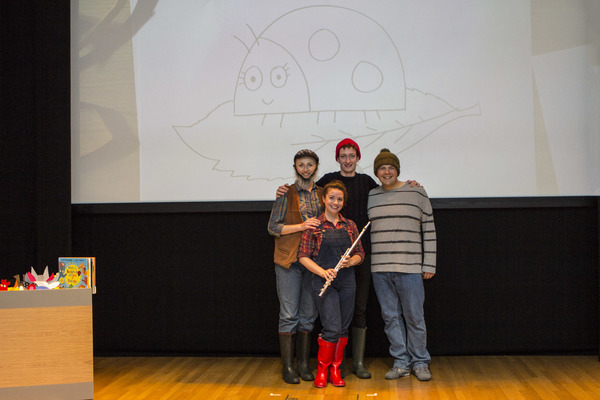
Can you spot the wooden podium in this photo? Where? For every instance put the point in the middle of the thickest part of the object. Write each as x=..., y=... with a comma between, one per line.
x=46, y=344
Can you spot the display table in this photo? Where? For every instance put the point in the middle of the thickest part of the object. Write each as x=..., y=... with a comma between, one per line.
x=46, y=344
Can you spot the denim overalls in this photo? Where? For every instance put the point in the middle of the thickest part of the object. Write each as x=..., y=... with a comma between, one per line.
x=336, y=306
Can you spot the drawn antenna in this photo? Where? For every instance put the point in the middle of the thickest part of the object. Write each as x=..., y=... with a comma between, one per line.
x=244, y=44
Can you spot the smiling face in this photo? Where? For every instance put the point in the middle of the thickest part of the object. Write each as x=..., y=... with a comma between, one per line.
x=305, y=167
x=270, y=82
x=347, y=158
x=388, y=176
x=334, y=201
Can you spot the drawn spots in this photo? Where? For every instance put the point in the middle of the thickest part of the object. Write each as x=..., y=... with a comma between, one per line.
x=314, y=76
x=323, y=45
x=367, y=77
x=334, y=58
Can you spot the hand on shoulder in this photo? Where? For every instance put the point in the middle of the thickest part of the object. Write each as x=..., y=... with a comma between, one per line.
x=282, y=190
x=412, y=183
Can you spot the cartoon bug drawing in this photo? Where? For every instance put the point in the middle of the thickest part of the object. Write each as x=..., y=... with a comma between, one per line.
x=313, y=76
x=315, y=58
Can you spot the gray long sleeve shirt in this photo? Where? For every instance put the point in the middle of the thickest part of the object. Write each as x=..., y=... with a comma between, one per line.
x=403, y=235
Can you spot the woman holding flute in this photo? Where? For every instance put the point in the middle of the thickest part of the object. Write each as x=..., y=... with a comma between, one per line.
x=321, y=250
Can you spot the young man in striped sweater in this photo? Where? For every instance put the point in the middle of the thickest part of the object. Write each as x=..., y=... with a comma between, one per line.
x=403, y=254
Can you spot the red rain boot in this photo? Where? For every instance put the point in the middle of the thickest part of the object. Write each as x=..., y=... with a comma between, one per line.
x=335, y=375
x=324, y=358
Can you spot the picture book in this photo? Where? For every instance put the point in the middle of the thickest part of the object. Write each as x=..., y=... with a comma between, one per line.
x=77, y=272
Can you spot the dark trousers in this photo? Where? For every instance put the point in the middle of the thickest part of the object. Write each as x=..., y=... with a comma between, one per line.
x=362, y=275
x=336, y=306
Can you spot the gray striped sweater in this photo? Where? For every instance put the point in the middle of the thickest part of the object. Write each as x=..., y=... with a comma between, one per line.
x=402, y=230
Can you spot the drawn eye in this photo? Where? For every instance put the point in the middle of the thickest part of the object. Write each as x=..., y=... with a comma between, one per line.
x=279, y=76
x=253, y=78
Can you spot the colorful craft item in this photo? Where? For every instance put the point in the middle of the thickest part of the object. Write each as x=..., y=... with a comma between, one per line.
x=42, y=281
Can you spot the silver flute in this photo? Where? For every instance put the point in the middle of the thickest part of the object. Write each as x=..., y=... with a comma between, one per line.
x=346, y=254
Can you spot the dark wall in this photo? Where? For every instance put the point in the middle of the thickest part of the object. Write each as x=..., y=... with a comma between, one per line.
x=515, y=276
x=519, y=279
x=35, y=157
x=515, y=280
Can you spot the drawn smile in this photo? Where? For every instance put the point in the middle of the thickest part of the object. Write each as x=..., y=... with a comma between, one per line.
x=267, y=103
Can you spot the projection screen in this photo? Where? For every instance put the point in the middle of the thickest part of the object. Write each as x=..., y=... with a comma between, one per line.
x=209, y=100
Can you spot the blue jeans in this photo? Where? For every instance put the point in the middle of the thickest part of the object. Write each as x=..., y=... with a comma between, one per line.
x=297, y=310
x=401, y=297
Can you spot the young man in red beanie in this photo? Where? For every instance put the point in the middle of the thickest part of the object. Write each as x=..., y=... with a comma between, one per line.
x=358, y=185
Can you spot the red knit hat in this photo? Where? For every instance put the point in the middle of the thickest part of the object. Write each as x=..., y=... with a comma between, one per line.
x=347, y=142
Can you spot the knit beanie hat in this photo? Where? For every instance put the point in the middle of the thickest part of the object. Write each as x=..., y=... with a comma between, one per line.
x=347, y=142
x=385, y=157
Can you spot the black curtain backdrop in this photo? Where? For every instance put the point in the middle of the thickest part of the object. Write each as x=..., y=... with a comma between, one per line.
x=35, y=153
x=514, y=276
x=510, y=280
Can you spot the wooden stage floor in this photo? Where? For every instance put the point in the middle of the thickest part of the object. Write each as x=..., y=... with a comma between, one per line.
x=464, y=377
